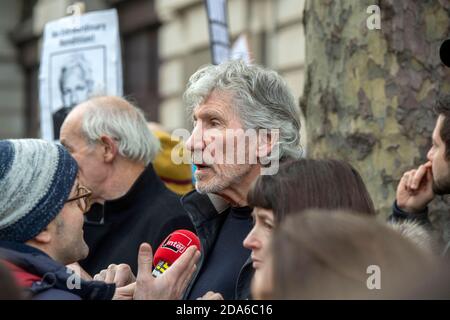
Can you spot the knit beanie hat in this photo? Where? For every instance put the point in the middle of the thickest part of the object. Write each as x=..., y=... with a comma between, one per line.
x=36, y=178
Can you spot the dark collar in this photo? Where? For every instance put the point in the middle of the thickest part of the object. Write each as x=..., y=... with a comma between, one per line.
x=22, y=248
x=147, y=185
x=53, y=274
x=199, y=207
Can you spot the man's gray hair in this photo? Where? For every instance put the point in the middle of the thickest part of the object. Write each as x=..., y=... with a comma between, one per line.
x=260, y=96
x=120, y=120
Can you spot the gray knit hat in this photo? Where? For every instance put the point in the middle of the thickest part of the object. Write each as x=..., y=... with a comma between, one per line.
x=36, y=178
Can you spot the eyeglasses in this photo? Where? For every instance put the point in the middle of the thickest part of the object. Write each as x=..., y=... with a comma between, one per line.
x=83, y=198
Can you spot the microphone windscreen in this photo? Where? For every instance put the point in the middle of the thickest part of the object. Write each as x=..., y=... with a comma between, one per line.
x=175, y=245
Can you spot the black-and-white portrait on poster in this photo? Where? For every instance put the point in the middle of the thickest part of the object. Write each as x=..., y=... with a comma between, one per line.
x=78, y=61
x=75, y=76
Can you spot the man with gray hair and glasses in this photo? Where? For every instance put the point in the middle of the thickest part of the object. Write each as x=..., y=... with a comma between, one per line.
x=110, y=140
x=245, y=122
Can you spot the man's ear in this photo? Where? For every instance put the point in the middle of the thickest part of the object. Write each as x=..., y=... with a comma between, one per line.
x=109, y=148
x=45, y=236
x=267, y=141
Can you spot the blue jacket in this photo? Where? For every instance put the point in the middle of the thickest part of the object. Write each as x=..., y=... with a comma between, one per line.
x=48, y=279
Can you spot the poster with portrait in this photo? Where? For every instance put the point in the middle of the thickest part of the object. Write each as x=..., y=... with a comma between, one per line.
x=81, y=58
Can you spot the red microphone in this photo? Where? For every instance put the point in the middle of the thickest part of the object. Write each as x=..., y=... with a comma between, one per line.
x=172, y=248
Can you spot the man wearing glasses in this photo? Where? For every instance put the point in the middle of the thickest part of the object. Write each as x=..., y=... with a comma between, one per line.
x=42, y=211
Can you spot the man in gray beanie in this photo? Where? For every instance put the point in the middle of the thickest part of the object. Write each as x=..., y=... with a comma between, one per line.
x=41, y=229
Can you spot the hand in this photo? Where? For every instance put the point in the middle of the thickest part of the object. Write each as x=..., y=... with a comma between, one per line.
x=172, y=283
x=211, y=296
x=120, y=274
x=125, y=293
x=415, y=189
x=79, y=271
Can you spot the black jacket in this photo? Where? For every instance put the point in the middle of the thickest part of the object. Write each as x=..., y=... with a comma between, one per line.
x=207, y=222
x=149, y=212
x=399, y=215
x=50, y=280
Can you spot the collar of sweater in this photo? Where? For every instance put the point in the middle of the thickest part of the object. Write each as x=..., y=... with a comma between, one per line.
x=147, y=186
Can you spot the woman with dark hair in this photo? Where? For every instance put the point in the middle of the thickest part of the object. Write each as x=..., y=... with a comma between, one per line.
x=300, y=185
x=323, y=254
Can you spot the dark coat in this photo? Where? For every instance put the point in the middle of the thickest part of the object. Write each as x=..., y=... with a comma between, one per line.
x=45, y=279
x=149, y=212
x=208, y=222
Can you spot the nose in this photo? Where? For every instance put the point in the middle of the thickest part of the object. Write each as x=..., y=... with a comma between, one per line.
x=251, y=241
x=195, y=141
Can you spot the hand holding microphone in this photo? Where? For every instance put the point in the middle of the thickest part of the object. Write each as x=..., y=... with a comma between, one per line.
x=172, y=248
x=180, y=251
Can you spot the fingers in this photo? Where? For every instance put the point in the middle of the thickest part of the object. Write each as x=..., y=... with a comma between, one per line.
x=183, y=263
x=418, y=177
x=110, y=273
x=415, y=189
x=124, y=275
x=405, y=182
x=187, y=275
x=410, y=178
x=413, y=180
x=186, y=280
x=120, y=274
x=211, y=296
x=125, y=293
x=191, y=267
x=181, y=272
x=100, y=276
x=145, y=261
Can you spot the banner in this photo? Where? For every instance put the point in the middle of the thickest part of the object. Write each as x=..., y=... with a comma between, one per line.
x=218, y=30
x=81, y=58
x=241, y=50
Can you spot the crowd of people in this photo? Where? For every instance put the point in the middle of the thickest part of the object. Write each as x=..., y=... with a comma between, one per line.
x=80, y=219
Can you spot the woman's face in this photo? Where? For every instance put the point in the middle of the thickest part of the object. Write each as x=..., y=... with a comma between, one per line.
x=259, y=237
x=258, y=240
x=262, y=283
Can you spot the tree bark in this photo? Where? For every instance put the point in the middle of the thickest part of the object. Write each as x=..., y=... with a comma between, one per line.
x=369, y=94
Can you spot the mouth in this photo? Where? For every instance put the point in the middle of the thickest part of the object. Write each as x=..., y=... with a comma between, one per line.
x=256, y=263
x=202, y=166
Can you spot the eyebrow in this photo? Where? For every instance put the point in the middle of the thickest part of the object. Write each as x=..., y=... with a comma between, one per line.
x=208, y=114
x=262, y=215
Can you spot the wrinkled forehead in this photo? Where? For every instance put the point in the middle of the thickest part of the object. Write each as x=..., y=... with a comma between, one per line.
x=218, y=103
x=71, y=128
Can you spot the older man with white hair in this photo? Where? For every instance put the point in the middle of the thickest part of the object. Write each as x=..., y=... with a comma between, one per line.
x=233, y=103
x=110, y=140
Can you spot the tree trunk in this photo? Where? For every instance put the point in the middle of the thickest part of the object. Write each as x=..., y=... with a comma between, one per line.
x=369, y=94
